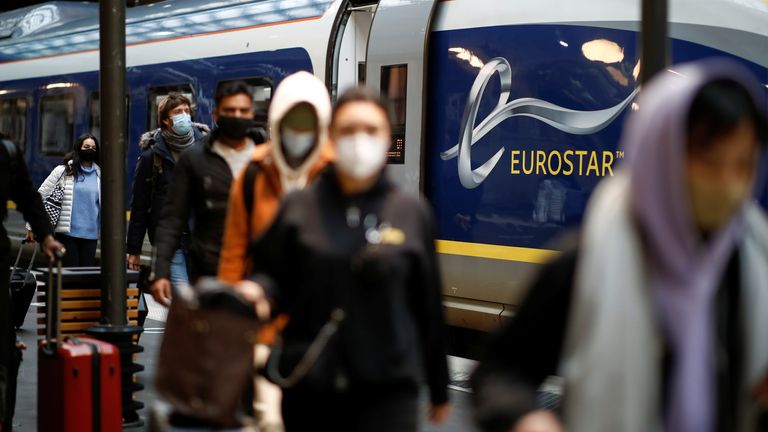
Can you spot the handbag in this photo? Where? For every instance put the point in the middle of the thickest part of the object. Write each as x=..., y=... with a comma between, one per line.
x=53, y=202
x=207, y=357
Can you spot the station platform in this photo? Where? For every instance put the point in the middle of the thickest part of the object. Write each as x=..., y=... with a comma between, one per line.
x=26, y=403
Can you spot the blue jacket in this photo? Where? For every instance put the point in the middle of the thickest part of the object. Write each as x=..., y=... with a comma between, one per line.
x=154, y=171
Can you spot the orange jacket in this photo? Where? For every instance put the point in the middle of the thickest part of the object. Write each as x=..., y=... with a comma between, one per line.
x=233, y=260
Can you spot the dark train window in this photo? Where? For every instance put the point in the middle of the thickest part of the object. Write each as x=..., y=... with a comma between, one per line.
x=156, y=94
x=13, y=121
x=57, y=123
x=94, y=119
x=261, y=88
x=394, y=89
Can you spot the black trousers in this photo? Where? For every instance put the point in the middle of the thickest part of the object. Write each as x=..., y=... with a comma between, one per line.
x=10, y=356
x=80, y=252
x=362, y=410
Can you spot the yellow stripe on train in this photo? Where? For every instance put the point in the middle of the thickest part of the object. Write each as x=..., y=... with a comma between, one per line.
x=507, y=253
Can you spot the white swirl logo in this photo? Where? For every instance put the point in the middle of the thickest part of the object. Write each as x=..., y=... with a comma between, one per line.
x=564, y=119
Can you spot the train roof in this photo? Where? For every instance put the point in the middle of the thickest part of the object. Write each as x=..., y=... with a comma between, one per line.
x=58, y=27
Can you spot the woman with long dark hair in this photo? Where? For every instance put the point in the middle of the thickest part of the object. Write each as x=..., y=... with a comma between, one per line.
x=78, y=224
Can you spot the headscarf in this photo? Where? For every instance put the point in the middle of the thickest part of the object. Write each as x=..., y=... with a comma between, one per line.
x=685, y=270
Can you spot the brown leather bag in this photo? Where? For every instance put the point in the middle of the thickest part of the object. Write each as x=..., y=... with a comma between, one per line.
x=206, y=357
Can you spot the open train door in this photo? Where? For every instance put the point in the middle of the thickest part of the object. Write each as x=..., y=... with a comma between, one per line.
x=347, y=47
x=396, y=65
x=383, y=44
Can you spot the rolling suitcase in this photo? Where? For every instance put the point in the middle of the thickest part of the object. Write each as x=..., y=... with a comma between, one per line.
x=23, y=286
x=78, y=379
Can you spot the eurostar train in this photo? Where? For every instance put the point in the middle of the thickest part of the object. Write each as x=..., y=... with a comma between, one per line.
x=506, y=114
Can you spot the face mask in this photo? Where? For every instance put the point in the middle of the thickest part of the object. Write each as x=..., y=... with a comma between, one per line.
x=713, y=203
x=297, y=144
x=234, y=127
x=88, y=155
x=361, y=155
x=182, y=124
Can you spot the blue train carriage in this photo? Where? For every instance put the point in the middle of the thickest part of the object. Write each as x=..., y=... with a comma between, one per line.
x=505, y=114
x=525, y=102
x=49, y=91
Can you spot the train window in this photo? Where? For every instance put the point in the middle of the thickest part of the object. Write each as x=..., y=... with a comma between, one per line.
x=261, y=88
x=57, y=123
x=13, y=120
x=94, y=119
x=394, y=88
x=156, y=94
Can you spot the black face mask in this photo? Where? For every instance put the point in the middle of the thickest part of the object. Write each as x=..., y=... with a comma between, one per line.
x=88, y=155
x=234, y=127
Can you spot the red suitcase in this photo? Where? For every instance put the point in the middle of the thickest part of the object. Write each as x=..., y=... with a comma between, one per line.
x=78, y=379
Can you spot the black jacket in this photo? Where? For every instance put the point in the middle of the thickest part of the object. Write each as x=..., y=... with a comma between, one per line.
x=315, y=258
x=150, y=187
x=15, y=185
x=198, y=195
x=529, y=348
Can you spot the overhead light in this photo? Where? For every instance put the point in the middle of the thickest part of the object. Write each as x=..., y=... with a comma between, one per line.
x=468, y=56
x=564, y=43
x=59, y=85
x=603, y=50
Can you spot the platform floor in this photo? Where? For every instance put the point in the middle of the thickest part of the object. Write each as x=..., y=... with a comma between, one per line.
x=26, y=404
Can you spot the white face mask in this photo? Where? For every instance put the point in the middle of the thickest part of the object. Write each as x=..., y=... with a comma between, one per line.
x=361, y=155
x=297, y=144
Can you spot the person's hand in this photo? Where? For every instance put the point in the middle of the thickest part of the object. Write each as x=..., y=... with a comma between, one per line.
x=439, y=413
x=254, y=293
x=539, y=421
x=134, y=261
x=51, y=247
x=161, y=291
x=30, y=236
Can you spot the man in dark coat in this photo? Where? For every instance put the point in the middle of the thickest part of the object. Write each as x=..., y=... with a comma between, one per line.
x=15, y=185
x=199, y=190
x=161, y=150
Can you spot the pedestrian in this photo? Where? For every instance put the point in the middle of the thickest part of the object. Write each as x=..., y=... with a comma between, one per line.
x=657, y=319
x=298, y=151
x=354, y=253
x=161, y=149
x=78, y=225
x=15, y=185
x=199, y=189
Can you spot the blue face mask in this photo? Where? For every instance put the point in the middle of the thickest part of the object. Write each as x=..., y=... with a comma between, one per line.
x=182, y=124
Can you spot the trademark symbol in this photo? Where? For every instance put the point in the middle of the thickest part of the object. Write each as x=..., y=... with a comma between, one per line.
x=619, y=154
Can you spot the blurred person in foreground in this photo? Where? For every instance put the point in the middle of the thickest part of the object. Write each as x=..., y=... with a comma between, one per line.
x=354, y=252
x=657, y=320
x=16, y=185
x=296, y=154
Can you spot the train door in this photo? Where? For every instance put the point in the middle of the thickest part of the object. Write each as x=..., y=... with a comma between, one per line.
x=349, y=46
x=396, y=65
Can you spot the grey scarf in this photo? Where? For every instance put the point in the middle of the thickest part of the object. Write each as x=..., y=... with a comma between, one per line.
x=178, y=143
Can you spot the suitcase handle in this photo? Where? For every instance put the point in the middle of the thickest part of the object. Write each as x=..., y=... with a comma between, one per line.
x=18, y=258
x=53, y=325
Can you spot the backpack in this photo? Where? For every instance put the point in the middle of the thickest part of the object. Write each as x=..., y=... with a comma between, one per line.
x=149, y=139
